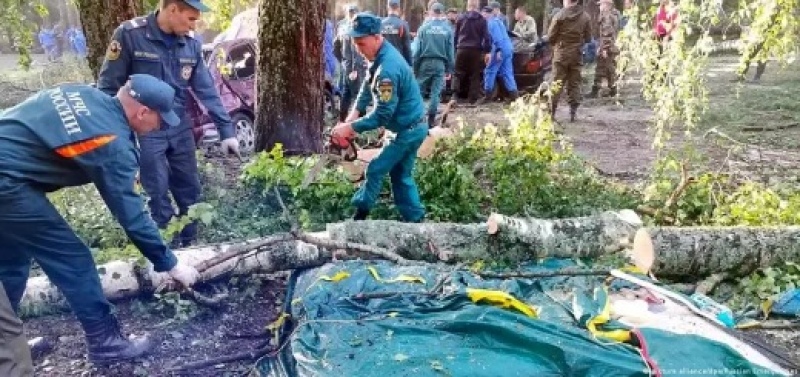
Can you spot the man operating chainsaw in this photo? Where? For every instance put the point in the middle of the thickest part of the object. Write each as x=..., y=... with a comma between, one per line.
x=391, y=89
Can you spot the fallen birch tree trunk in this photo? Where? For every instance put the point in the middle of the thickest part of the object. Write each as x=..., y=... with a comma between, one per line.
x=683, y=252
x=693, y=253
x=531, y=239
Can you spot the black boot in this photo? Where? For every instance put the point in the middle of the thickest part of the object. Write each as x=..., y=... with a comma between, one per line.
x=573, y=111
x=595, y=92
x=360, y=215
x=482, y=100
x=512, y=96
x=432, y=120
x=40, y=346
x=553, y=109
x=107, y=344
x=612, y=91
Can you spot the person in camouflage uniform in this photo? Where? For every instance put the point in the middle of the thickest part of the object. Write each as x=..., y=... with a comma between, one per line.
x=607, y=51
x=569, y=30
x=525, y=26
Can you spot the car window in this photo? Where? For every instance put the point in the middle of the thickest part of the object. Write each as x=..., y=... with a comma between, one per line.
x=242, y=60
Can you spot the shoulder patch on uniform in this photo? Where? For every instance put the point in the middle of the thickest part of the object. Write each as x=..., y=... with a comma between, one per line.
x=114, y=49
x=135, y=23
x=385, y=90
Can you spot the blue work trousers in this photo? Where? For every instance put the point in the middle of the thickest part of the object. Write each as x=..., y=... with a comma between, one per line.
x=396, y=159
x=431, y=80
x=169, y=165
x=504, y=69
x=350, y=89
x=30, y=227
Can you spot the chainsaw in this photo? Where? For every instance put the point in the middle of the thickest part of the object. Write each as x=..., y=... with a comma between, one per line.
x=334, y=149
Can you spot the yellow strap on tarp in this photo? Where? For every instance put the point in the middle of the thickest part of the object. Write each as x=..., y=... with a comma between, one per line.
x=401, y=278
x=595, y=323
x=341, y=275
x=501, y=299
x=275, y=326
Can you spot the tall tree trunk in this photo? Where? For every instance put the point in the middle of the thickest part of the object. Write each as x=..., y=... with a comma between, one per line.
x=99, y=18
x=290, y=76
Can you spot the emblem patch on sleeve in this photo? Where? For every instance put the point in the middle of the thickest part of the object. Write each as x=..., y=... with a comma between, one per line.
x=186, y=72
x=385, y=90
x=114, y=49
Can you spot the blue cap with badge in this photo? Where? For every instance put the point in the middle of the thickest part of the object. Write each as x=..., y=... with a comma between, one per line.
x=197, y=4
x=156, y=95
x=365, y=24
x=437, y=7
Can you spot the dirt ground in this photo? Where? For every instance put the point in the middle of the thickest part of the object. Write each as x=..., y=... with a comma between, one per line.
x=612, y=134
x=238, y=327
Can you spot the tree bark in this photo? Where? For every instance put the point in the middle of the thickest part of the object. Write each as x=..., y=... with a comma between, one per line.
x=688, y=253
x=99, y=19
x=290, y=76
x=530, y=239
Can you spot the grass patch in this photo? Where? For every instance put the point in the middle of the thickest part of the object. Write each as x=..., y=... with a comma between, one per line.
x=770, y=103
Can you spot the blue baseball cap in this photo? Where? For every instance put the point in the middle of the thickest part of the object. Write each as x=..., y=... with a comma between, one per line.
x=197, y=4
x=365, y=24
x=495, y=4
x=156, y=95
x=394, y=3
x=437, y=7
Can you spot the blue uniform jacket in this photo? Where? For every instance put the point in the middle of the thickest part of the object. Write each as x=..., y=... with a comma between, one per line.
x=436, y=40
x=72, y=135
x=391, y=87
x=499, y=36
x=139, y=46
x=396, y=31
x=330, y=59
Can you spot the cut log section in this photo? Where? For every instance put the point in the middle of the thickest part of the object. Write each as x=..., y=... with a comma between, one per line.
x=124, y=279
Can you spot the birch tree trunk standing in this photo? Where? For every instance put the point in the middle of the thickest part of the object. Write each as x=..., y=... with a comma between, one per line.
x=289, y=107
x=99, y=18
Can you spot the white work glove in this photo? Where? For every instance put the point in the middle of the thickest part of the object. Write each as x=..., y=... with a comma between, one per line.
x=184, y=274
x=230, y=145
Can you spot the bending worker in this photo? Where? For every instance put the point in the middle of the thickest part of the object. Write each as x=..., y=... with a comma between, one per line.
x=162, y=44
x=72, y=135
x=397, y=105
x=500, y=60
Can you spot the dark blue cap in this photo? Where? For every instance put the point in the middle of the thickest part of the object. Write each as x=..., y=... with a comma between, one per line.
x=197, y=4
x=394, y=3
x=156, y=95
x=487, y=9
x=365, y=24
x=495, y=4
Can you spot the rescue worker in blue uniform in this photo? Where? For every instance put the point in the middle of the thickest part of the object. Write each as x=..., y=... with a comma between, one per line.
x=161, y=44
x=353, y=66
x=397, y=105
x=500, y=61
x=72, y=135
x=434, y=59
x=396, y=31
